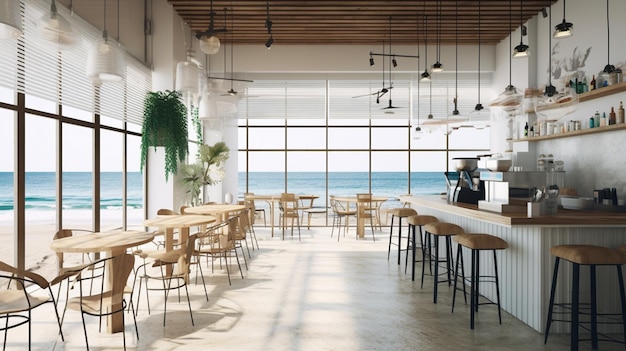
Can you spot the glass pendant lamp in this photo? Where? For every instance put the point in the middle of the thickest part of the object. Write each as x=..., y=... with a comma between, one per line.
x=106, y=58
x=10, y=19
x=55, y=29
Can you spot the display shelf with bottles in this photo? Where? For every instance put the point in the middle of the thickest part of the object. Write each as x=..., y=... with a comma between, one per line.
x=594, y=94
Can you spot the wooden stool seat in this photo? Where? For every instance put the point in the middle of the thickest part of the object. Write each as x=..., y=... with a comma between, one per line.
x=477, y=242
x=481, y=241
x=590, y=256
x=417, y=221
x=400, y=212
x=439, y=230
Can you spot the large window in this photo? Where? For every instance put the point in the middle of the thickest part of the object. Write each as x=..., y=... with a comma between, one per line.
x=48, y=93
x=361, y=147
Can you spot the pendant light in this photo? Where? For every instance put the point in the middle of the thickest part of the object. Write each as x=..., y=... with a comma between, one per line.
x=209, y=43
x=455, y=120
x=417, y=131
x=479, y=118
x=437, y=66
x=563, y=29
x=188, y=75
x=554, y=105
x=10, y=19
x=609, y=68
x=521, y=50
x=106, y=58
x=232, y=91
x=425, y=74
x=510, y=99
x=55, y=29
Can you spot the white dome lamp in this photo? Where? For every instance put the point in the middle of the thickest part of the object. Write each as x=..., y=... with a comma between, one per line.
x=209, y=43
x=106, y=58
x=55, y=29
x=10, y=19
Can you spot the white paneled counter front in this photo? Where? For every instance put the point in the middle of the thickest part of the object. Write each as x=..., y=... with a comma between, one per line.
x=525, y=268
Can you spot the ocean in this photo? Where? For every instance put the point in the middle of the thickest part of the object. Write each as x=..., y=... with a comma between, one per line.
x=77, y=191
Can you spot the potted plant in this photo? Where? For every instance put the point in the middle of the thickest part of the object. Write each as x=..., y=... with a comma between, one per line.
x=165, y=124
x=208, y=169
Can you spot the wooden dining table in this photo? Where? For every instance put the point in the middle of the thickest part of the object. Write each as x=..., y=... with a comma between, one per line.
x=272, y=200
x=112, y=244
x=167, y=224
x=349, y=200
x=219, y=211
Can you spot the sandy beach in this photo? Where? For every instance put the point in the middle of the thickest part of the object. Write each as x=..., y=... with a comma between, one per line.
x=40, y=229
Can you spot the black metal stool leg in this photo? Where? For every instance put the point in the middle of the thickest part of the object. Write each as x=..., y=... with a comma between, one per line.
x=495, y=266
x=575, y=301
x=436, y=269
x=390, y=237
x=456, y=274
x=622, y=295
x=551, y=304
x=473, y=289
x=594, y=308
x=399, y=238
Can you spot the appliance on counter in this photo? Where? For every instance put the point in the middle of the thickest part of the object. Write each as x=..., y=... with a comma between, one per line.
x=465, y=185
x=507, y=192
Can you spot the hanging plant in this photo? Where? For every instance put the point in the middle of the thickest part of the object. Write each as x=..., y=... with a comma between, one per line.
x=165, y=124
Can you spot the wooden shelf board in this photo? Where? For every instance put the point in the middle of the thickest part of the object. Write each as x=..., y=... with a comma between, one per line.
x=610, y=128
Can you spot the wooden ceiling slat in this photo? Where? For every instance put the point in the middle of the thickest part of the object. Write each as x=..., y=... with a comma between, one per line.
x=355, y=21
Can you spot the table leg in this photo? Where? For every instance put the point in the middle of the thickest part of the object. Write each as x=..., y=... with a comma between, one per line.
x=115, y=321
x=271, y=203
x=183, y=234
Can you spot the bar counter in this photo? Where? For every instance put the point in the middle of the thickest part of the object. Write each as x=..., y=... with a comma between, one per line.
x=525, y=268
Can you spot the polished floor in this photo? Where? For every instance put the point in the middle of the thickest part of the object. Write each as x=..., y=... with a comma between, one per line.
x=314, y=294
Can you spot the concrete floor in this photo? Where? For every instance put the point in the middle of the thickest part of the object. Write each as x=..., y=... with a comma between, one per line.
x=317, y=294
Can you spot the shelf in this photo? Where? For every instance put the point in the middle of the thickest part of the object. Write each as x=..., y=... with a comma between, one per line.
x=610, y=128
x=602, y=92
x=596, y=94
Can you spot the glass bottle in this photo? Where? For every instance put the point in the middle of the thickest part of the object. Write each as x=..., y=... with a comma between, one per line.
x=592, y=85
x=620, y=113
x=612, y=118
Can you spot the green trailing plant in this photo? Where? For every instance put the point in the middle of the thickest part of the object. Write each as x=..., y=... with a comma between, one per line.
x=165, y=124
x=208, y=169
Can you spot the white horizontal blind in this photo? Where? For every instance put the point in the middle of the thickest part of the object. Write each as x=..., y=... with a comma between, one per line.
x=34, y=67
x=284, y=99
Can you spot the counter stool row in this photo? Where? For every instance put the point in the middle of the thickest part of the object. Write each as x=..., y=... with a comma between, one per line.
x=431, y=230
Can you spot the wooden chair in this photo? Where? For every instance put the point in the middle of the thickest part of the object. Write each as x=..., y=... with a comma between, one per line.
x=161, y=243
x=367, y=210
x=181, y=259
x=16, y=302
x=339, y=213
x=218, y=242
x=289, y=209
x=256, y=210
x=101, y=303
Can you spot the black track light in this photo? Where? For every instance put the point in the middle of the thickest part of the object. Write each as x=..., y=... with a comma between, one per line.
x=394, y=62
x=371, y=60
x=544, y=12
x=269, y=42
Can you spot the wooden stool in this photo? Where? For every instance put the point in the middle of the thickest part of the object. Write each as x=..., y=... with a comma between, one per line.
x=592, y=256
x=401, y=212
x=477, y=243
x=446, y=230
x=418, y=221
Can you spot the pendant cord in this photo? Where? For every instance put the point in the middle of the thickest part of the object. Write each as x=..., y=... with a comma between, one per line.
x=608, y=35
x=550, y=47
x=510, y=39
x=479, y=52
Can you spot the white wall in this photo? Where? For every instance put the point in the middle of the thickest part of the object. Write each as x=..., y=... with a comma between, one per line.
x=591, y=161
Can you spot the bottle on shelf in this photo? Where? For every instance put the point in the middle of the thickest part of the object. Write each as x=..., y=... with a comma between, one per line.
x=585, y=86
x=612, y=118
x=526, y=130
x=596, y=119
x=592, y=85
x=620, y=113
x=603, y=120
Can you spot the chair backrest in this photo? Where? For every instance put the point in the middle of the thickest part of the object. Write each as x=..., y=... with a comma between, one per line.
x=65, y=233
x=182, y=209
x=288, y=204
x=166, y=211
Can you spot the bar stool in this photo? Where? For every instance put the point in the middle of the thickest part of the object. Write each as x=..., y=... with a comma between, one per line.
x=417, y=221
x=592, y=256
x=446, y=230
x=477, y=243
x=400, y=212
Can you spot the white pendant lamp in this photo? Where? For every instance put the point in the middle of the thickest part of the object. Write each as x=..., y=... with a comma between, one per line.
x=209, y=43
x=187, y=77
x=10, y=19
x=55, y=29
x=106, y=58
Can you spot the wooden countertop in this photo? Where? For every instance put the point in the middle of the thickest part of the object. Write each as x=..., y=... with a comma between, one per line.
x=563, y=218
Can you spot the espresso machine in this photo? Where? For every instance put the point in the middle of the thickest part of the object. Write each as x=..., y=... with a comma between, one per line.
x=465, y=185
